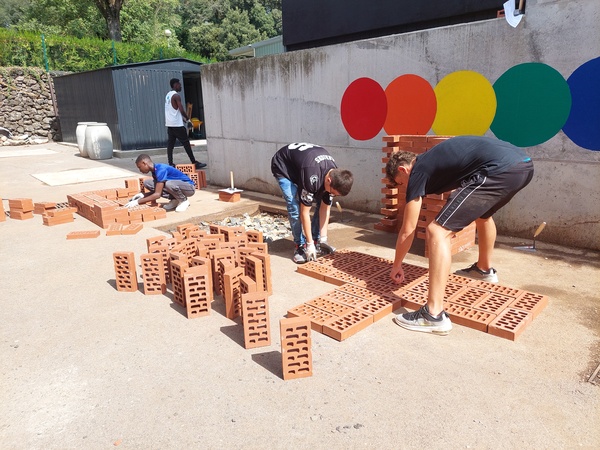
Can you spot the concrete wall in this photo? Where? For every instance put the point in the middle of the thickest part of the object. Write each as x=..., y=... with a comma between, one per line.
x=255, y=106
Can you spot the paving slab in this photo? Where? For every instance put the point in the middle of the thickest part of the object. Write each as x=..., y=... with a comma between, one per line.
x=85, y=366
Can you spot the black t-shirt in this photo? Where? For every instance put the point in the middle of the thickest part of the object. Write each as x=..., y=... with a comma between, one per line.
x=306, y=165
x=445, y=166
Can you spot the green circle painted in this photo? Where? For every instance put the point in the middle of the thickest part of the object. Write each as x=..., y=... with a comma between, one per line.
x=534, y=101
x=466, y=104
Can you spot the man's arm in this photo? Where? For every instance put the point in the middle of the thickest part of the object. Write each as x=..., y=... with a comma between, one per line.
x=158, y=188
x=405, y=237
x=305, y=220
x=324, y=213
x=176, y=103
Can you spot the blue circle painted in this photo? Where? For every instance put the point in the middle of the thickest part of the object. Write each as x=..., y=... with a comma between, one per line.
x=583, y=124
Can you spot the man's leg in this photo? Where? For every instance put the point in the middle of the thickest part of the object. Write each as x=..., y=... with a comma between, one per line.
x=170, y=144
x=440, y=260
x=179, y=190
x=181, y=133
x=486, y=238
x=290, y=194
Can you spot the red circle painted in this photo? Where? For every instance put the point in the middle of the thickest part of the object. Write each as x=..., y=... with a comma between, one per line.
x=411, y=105
x=363, y=109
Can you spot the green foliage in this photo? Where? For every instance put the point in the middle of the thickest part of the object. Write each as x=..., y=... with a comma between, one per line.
x=213, y=27
x=208, y=27
x=75, y=55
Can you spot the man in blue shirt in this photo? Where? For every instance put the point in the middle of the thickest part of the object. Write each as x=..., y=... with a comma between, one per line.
x=166, y=182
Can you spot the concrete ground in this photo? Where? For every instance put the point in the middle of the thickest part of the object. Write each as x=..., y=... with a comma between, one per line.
x=87, y=367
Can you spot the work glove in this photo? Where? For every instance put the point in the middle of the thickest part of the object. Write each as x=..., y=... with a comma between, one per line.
x=324, y=248
x=310, y=251
x=132, y=204
x=137, y=197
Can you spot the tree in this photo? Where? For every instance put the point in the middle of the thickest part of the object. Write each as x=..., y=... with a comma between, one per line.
x=79, y=18
x=111, y=11
x=11, y=11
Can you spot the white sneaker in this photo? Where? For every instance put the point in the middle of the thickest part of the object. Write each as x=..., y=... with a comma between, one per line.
x=171, y=205
x=491, y=276
x=185, y=204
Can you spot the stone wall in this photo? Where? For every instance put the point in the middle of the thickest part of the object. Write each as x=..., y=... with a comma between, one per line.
x=26, y=106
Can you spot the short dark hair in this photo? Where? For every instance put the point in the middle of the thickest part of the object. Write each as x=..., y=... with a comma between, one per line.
x=143, y=157
x=173, y=81
x=397, y=159
x=341, y=181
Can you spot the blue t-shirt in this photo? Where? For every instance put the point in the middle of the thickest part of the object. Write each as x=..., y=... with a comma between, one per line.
x=163, y=173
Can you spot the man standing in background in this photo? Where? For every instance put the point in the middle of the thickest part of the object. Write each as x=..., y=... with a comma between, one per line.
x=174, y=121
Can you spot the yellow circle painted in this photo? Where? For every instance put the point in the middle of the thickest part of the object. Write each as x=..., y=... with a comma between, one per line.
x=466, y=104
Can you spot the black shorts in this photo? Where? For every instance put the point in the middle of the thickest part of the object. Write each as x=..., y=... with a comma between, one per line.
x=481, y=196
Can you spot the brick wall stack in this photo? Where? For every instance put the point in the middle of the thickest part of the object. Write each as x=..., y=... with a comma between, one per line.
x=26, y=106
x=393, y=201
x=107, y=206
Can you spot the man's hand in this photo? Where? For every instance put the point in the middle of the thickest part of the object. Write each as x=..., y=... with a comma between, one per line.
x=137, y=197
x=132, y=204
x=397, y=274
x=311, y=251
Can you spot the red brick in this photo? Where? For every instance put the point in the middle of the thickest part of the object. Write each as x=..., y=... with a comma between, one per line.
x=296, y=352
x=23, y=204
x=343, y=327
x=153, y=274
x=198, y=293
x=232, y=292
x=379, y=308
x=469, y=317
x=257, y=329
x=254, y=236
x=132, y=229
x=316, y=316
x=20, y=215
x=331, y=306
x=510, y=323
x=247, y=284
x=345, y=298
x=125, y=272
x=114, y=229
x=225, y=196
x=83, y=234
x=531, y=302
x=253, y=268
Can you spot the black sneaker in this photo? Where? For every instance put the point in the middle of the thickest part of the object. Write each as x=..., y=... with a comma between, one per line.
x=199, y=165
x=491, y=276
x=421, y=320
x=299, y=255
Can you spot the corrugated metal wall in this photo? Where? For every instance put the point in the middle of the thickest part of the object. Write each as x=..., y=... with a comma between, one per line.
x=86, y=97
x=140, y=96
x=129, y=98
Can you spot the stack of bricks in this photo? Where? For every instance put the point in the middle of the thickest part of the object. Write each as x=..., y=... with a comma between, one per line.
x=21, y=208
x=106, y=207
x=58, y=216
x=364, y=296
x=394, y=196
x=296, y=352
x=197, y=176
x=198, y=265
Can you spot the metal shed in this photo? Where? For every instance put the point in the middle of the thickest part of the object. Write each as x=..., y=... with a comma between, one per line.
x=129, y=98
